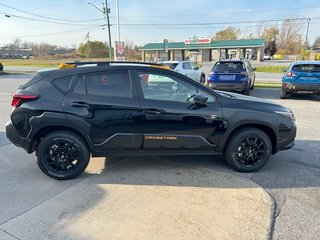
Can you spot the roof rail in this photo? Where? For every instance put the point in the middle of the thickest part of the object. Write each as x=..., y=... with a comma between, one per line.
x=108, y=63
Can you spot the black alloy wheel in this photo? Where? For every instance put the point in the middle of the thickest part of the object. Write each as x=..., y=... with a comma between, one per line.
x=249, y=149
x=62, y=155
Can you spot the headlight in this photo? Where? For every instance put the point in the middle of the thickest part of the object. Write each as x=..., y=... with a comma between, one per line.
x=289, y=114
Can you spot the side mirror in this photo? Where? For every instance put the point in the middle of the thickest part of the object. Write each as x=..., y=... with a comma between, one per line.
x=196, y=68
x=200, y=100
x=284, y=69
x=254, y=69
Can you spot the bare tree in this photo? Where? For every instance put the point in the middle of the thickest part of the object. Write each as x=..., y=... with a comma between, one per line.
x=290, y=36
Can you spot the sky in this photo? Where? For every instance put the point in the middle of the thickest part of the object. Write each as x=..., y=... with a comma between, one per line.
x=67, y=22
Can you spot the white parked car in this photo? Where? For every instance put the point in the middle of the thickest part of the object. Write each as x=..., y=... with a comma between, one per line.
x=266, y=57
x=188, y=69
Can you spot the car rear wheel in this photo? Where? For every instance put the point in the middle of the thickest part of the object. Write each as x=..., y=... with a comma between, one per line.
x=284, y=94
x=248, y=150
x=202, y=79
x=62, y=155
x=252, y=83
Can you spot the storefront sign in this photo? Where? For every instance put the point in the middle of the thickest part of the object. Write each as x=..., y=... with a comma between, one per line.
x=197, y=41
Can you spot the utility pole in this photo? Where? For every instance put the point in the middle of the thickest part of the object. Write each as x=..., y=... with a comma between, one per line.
x=88, y=45
x=306, y=40
x=106, y=11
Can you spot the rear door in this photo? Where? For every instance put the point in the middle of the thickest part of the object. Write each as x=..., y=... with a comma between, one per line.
x=171, y=119
x=105, y=105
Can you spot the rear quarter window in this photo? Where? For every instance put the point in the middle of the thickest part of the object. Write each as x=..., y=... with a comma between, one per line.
x=62, y=83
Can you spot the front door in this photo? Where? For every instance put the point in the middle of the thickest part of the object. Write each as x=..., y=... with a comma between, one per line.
x=171, y=119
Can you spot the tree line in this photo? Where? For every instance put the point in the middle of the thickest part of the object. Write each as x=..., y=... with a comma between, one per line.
x=286, y=38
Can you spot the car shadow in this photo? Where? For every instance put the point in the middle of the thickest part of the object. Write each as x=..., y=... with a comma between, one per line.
x=301, y=163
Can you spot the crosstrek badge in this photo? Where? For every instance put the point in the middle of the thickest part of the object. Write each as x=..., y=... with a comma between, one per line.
x=160, y=137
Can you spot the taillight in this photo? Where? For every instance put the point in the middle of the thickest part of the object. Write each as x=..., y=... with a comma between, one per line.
x=19, y=98
x=290, y=74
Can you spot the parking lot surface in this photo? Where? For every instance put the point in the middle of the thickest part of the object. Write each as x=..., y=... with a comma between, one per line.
x=166, y=197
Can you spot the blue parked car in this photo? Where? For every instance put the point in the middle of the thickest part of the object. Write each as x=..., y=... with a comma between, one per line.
x=232, y=75
x=302, y=77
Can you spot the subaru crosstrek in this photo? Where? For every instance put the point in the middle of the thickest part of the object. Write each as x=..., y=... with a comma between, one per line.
x=302, y=77
x=232, y=75
x=109, y=108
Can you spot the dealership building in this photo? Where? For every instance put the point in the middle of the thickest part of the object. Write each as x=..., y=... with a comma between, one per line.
x=203, y=50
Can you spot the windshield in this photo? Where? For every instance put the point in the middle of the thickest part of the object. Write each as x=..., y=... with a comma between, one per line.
x=228, y=67
x=306, y=68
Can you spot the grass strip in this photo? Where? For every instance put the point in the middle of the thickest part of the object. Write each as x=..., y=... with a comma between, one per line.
x=271, y=69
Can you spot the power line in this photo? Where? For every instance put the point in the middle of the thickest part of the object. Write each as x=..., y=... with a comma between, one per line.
x=51, y=18
x=225, y=13
x=41, y=20
x=211, y=23
x=54, y=33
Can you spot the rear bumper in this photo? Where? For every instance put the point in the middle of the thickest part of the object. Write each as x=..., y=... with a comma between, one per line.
x=237, y=87
x=16, y=138
x=301, y=88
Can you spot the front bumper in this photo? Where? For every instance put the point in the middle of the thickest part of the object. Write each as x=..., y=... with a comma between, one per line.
x=287, y=136
x=237, y=87
x=16, y=138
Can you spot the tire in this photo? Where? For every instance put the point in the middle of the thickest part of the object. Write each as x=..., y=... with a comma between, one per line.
x=62, y=155
x=252, y=84
x=284, y=94
x=248, y=150
x=202, y=79
x=246, y=92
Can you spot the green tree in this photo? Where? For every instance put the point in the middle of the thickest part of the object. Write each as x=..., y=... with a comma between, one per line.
x=271, y=47
x=230, y=33
x=94, y=49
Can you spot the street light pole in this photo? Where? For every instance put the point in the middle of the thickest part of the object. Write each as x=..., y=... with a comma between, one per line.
x=118, y=22
x=106, y=11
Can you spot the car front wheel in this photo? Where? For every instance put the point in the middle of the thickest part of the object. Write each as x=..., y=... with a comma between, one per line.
x=62, y=155
x=248, y=150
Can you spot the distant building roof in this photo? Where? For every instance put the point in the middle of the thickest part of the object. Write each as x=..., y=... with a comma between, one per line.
x=213, y=44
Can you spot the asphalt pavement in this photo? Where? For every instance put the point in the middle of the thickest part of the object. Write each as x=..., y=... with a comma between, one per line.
x=166, y=197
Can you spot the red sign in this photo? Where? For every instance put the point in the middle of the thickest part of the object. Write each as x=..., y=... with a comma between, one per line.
x=197, y=41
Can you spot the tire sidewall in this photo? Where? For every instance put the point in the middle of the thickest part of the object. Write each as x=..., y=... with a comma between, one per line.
x=49, y=140
x=234, y=143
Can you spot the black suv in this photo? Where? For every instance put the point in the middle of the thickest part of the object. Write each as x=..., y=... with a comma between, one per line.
x=112, y=108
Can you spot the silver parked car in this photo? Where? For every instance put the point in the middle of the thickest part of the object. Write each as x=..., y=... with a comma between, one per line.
x=188, y=69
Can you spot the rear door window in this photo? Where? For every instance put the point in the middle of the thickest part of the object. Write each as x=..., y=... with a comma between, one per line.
x=62, y=83
x=186, y=65
x=113, y=83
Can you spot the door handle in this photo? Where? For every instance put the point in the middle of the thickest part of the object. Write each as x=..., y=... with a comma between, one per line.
x=152, y=112
x=80, y=105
